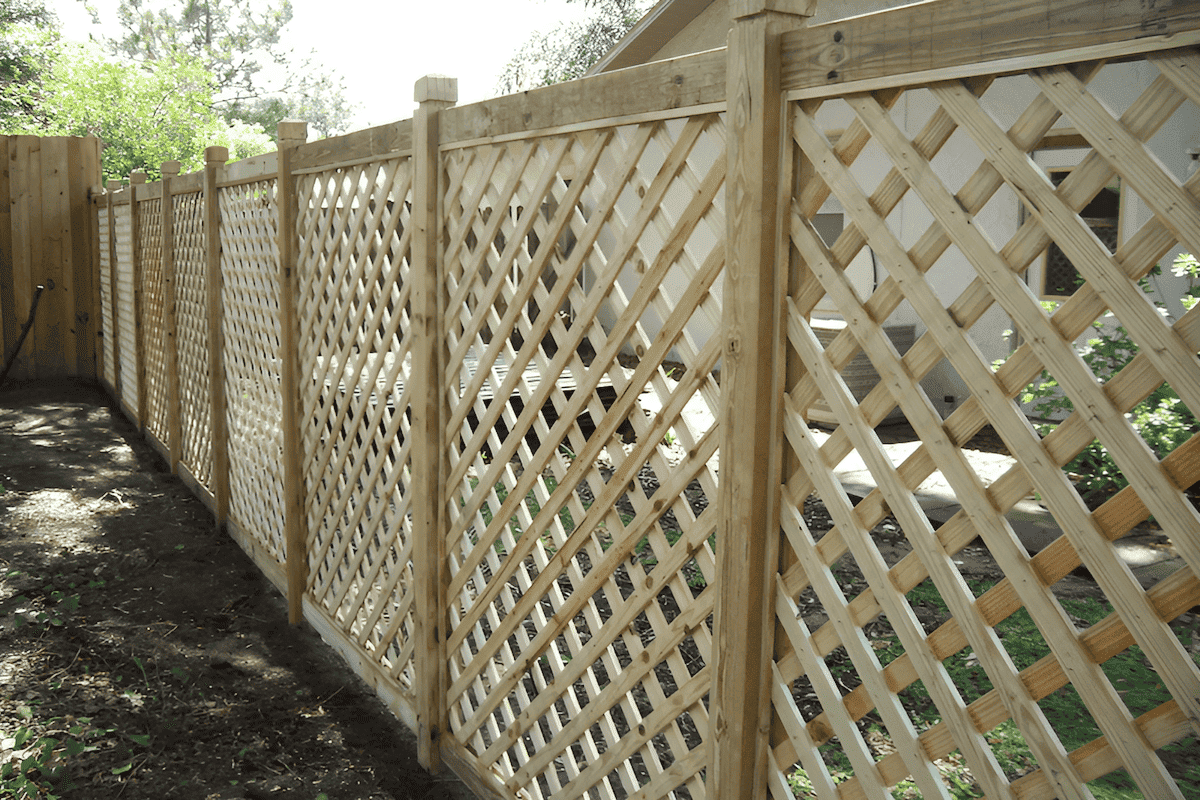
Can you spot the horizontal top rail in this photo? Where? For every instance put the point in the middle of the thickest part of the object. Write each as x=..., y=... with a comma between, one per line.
x=383, y=141
x=249, y=170
x=966, y=38
x=674, y=84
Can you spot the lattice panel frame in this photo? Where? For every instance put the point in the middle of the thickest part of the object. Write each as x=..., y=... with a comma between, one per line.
x=580, y=634
x=251, y=327
x=108, y=342
x=1167, y=353
x=154, y=318
x=126, y=324
x=354, y=311
x=191, y=335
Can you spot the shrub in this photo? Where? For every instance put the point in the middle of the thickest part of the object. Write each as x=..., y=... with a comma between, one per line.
x=1162, y=420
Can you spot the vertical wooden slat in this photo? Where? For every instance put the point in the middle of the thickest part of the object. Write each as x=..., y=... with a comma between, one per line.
x=113, y=187
x=137, y=178
x=751, y=388
x=214, y=158
x=8, y=325
x=26, y=231
x=85, y=182
x=56, y=343
x=170, y=169
x=434, y=93
x=291, y=134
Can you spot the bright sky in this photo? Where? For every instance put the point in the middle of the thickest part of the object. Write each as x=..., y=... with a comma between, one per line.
x=381, y=47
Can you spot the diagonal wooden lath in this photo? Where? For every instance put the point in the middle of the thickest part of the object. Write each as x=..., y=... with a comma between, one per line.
x=949, y=334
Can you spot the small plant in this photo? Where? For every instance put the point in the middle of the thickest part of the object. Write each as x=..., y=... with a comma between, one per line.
x=38, y=766
x=1162, y=420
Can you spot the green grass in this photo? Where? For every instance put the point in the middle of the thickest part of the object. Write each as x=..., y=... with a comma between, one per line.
x=1129, y=672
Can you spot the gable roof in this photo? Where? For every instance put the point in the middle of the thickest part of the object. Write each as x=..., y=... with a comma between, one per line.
x=661, y=24
x=681, y=27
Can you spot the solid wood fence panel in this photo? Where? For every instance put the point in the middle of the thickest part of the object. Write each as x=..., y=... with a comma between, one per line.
x=252, y=367
x=154, y=317
x=843, y=578
x=581, y=467
x=126, y=324
x=108, y=341
x=192, y=325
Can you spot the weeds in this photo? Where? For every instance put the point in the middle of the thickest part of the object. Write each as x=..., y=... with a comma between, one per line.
x=1130, y=672
x=1162, y=420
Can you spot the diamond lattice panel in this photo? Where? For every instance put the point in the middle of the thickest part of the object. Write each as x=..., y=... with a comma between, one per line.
x=354, y=321
x=154, y=323
x=252, y=366
x=191, y=341
x=583, y=283
x=108, y=343
x=125, y=326
x=880, y=622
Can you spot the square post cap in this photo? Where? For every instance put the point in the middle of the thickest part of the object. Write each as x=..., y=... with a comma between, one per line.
x=436, y=87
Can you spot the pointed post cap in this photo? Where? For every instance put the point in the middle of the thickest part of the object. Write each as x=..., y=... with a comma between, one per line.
x=436, y=88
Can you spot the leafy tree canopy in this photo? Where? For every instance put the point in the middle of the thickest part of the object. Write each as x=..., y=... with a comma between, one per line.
x=566, y=52
x=241, y=43
x=144, y=116
x=27, y=41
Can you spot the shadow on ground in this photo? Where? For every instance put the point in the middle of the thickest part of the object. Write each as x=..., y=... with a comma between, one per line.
x=142, y=654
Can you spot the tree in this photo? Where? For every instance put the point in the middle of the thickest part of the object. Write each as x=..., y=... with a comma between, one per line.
x=241, y=44
x=567, y=52
x=144, y=115
x=27, y=41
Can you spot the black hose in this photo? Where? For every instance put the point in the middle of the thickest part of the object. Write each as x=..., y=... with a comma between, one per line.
x=24, y=332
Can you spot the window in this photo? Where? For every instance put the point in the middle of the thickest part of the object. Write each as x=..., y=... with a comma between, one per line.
x=1059, y=277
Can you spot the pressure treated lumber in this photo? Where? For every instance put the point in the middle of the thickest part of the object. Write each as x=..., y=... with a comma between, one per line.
x=951, y=38
x=435, y=94
x=291, y=133
x=137, y=184
x=170, y=169
x=755, y=277
x=214, y=158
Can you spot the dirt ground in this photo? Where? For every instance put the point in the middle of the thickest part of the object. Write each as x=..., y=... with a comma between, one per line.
x=142, y=655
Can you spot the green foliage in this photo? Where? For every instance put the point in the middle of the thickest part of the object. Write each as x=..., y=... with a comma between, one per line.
x=27, y=42
x=1162, y=420
x=256, y=80
x=38, y=765
x=144, y=116
x=1186, y=266
x=567, y=52
x=1130, y=672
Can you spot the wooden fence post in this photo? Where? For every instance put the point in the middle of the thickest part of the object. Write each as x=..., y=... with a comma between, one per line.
x=113, y=187
x=214, y=159
x=137, y=178
x=291, y=134
x=751, y=389
x=434, y=93
x=170, y=169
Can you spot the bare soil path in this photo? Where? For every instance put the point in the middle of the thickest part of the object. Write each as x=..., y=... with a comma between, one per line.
x=142, y=655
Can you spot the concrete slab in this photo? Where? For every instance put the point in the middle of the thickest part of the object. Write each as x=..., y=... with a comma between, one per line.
x=1150, y=557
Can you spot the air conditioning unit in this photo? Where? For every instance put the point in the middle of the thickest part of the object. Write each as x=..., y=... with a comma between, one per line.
x=860, y=376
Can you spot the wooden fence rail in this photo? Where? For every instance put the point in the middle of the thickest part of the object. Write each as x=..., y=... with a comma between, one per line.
x=510, y=399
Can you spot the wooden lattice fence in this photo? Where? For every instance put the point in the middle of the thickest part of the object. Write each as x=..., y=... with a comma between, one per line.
x=510, y=399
